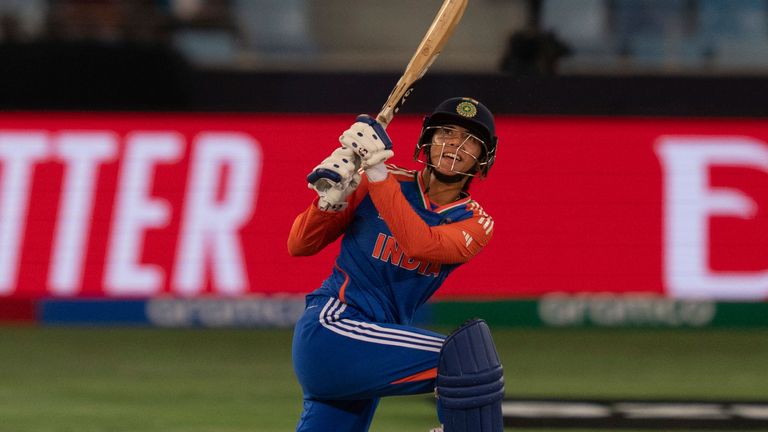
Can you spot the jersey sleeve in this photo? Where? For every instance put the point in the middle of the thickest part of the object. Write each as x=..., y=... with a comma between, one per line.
x=450, y=243
x=314, y=229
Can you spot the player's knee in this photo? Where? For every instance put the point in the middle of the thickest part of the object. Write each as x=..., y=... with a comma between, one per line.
x=470, y=381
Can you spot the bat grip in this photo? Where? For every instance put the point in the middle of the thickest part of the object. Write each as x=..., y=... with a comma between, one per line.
x=384, y=117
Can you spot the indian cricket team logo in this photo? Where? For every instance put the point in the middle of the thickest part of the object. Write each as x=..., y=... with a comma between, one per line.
x=466, y=109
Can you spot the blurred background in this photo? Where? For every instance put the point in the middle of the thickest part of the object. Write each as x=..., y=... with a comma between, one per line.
x=153, y=157
x=551, y=56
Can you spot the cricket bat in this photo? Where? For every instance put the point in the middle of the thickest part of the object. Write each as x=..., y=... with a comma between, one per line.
x=431, y=45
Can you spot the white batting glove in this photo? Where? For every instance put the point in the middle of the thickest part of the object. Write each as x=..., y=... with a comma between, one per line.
x=335, y=179
x=369, y=140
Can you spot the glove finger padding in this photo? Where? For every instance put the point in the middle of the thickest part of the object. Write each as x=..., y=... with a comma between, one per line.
x=368, y=139
x=333, y=196
x=379, y=157
x=335, y=178
x=336, y=170
x=334, y=199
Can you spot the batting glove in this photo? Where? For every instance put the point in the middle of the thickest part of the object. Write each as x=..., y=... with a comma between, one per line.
x=368, y=139
x=335, y=179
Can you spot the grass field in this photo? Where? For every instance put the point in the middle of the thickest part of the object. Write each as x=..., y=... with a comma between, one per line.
x=114, y=379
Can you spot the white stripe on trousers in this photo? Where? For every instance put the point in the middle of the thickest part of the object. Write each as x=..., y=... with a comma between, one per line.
x=329, y=318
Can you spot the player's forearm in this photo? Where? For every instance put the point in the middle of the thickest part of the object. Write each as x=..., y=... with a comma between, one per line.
x=313, y=230
x=416, y=238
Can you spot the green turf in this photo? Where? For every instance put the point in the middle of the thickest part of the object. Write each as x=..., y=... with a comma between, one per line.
x=89, y=380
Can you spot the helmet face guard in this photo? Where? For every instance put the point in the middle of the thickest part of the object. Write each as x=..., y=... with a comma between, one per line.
x=470, y=115
x=437, y=137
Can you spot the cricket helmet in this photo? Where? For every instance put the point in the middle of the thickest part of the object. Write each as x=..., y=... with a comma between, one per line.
x=467, y=113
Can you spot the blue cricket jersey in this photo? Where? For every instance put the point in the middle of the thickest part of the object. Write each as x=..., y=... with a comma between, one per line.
x=398, y=247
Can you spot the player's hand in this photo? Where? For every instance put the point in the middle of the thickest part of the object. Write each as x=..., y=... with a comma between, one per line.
x=335, y=178
x=368, y=140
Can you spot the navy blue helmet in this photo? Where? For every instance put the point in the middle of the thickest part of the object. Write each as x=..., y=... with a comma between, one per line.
x=467, y=113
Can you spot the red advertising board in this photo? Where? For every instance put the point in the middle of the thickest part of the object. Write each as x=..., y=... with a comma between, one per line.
x=126, y=205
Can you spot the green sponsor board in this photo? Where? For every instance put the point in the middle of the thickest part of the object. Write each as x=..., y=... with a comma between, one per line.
x=609, y=311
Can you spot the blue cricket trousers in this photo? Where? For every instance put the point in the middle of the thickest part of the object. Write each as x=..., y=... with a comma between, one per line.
x=345, y=363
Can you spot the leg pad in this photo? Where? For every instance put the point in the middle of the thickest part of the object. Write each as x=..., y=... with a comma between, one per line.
x=470, y=380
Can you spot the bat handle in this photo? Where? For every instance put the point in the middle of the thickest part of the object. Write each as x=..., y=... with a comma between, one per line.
x=385, y=116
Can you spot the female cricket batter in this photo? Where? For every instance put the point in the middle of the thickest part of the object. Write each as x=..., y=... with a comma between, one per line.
x=403, y=233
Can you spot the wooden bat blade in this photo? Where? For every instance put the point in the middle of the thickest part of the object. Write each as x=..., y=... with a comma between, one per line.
x=431, y=45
